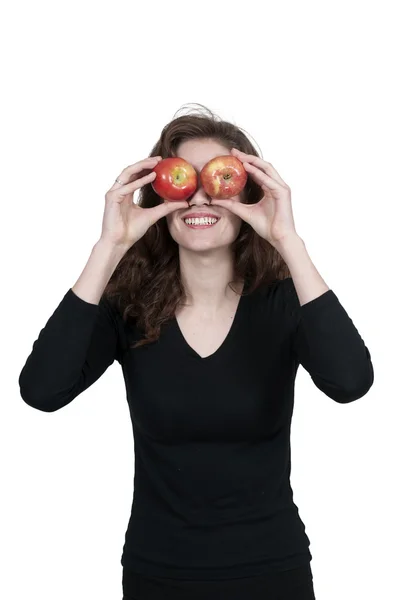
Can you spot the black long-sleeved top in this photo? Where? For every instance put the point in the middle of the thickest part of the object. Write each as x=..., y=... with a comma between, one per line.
x=212, y=495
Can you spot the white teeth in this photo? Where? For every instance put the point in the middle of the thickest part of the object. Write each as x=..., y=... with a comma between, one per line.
x=201, y=221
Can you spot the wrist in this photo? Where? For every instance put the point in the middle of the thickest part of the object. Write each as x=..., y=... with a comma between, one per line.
x=289, y=244
x=111, y=248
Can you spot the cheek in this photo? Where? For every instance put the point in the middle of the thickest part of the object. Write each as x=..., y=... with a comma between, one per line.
x=169, y=221
x=232, y=223
x=237, y=223
x=174, y=227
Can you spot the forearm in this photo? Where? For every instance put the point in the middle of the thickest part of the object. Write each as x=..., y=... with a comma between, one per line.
x=325, y=340
x=100, y=266
x=307, y=281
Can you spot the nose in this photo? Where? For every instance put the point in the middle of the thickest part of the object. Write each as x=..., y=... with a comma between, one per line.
x=199, y=197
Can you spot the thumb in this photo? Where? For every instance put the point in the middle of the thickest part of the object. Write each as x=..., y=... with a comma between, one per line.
x=236, y=207
x=166, y=207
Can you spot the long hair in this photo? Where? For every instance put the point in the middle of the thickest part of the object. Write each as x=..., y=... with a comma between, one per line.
x=146, y=283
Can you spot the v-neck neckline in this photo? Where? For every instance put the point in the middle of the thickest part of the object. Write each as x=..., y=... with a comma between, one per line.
x=225, y=344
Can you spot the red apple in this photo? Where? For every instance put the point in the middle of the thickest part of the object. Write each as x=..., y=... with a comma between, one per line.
x=176, y=179
x=223, y=177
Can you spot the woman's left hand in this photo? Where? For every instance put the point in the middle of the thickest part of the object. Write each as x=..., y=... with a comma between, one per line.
x=272, y=216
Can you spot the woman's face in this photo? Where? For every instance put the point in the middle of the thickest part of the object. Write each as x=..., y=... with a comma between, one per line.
x=225, y=231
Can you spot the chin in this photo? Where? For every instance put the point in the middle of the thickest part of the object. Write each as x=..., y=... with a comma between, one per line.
x=196, y=244
x=201, y=246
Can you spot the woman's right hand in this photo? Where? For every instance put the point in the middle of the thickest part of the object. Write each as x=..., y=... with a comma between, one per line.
x=124, y=222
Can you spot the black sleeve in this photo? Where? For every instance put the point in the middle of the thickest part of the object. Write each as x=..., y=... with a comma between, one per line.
x=328, y=345
x=78, y=343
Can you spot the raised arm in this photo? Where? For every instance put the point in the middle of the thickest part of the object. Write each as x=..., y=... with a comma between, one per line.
x=79, y=341
x=328, y=345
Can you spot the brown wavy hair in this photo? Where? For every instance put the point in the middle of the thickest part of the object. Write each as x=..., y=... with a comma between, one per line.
x=146, y=283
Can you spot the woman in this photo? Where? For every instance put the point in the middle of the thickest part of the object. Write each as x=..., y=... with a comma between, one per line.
x=209, y=369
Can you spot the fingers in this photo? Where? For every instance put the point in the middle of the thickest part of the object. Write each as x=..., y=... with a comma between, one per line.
x=262, y=178
x=130, y=188
x=131, y=173
x=258, y=162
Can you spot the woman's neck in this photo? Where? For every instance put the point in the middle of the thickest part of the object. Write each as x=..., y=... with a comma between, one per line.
x=205, y=278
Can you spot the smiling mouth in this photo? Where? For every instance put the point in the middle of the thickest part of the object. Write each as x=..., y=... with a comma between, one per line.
x=203, y=225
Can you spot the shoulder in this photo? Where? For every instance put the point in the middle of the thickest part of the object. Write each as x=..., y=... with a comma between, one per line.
x=282, y=290
x=284, y=301
x=277, y=296
x=108, y=308
x=125, y=325
x=289, y=295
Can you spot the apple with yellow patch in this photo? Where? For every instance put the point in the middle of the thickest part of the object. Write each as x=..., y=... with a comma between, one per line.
x=223, y=177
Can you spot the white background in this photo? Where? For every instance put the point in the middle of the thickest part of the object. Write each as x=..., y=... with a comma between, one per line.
x=87, y=88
